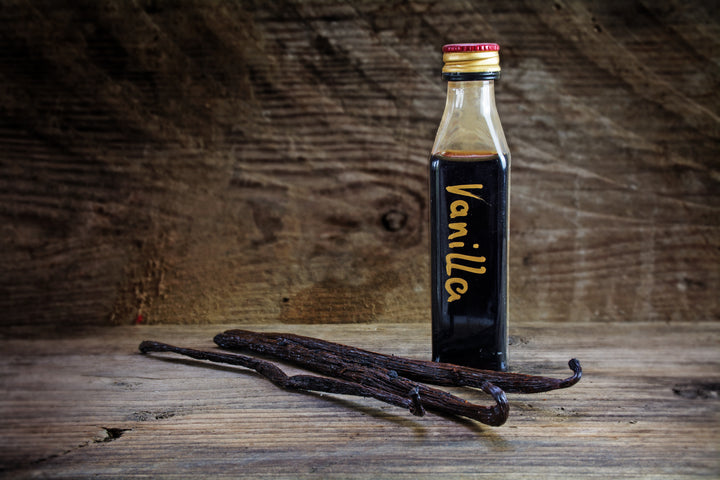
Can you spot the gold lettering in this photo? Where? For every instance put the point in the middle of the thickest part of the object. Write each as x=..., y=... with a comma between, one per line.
x=449, y=265
x=459, y=208
x=461, y=190
x=460, y=230
x=456, y=286
x=455, y=293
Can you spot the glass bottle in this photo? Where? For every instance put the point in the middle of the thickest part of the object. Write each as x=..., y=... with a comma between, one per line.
x=469, y=194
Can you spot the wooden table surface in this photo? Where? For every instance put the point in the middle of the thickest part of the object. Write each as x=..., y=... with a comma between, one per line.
x=87, y=405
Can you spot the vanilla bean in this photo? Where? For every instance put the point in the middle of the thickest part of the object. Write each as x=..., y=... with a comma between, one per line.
x=418, y=370
x=380, y=383
x=296, y=382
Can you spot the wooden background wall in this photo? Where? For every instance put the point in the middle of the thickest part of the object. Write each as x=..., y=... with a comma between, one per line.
x=260, y=161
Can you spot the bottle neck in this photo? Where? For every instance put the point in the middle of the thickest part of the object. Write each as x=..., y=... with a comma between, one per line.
x=474, y=96
x=470, y=122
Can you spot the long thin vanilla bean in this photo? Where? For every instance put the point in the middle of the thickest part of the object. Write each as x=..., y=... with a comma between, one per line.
x=417, y=370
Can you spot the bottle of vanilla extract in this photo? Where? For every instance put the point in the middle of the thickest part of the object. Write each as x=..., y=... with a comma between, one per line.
x=469, y=182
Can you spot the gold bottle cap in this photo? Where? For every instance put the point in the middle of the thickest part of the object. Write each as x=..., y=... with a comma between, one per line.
x=471, y=58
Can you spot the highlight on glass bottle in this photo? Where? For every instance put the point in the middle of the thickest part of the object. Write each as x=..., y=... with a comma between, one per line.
x=469, y=195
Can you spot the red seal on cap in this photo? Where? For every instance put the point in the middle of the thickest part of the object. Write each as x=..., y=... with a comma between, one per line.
x=471, y=47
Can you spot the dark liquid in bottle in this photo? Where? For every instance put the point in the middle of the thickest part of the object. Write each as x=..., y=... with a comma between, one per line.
x=468, y=205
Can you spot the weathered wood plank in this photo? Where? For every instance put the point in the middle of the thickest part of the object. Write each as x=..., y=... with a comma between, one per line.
x=266, y=161
x=88, y=405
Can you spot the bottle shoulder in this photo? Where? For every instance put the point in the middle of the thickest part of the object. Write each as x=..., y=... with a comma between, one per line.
x=469, y=132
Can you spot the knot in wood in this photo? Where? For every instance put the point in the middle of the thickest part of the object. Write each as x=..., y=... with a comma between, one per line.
x=394, y=220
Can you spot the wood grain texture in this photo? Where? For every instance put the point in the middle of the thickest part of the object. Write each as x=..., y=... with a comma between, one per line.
x=210, y=161
x=89, y=406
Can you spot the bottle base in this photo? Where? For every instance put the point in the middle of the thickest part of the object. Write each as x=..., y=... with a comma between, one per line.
x=497, y=363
